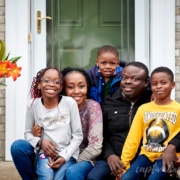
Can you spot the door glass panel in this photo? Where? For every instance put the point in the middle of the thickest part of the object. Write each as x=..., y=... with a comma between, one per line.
x=79, y=27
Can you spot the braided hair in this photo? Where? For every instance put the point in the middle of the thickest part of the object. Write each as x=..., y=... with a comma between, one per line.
x=34, y=91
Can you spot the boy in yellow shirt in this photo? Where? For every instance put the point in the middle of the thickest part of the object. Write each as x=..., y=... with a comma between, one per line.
x=155, y=123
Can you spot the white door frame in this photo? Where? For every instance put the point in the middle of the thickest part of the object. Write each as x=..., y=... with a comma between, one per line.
x=156, y=51
x=155, y=33
x=38, y=43
x=155, y=44
x=21, y=40
x=17, y=28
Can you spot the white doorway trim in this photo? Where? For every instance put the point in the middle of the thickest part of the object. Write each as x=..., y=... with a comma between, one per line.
x=155, y=33
x=17, y=16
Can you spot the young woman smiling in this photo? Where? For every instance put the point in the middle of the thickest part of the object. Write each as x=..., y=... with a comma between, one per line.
x=77, y=85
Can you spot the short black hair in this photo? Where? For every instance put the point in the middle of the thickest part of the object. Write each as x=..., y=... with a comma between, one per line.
x=139, y=65
x=69, y=70
x=108, y=48
x=164, y=70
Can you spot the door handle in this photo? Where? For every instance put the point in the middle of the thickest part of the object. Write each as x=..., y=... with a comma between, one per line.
x=39, y=19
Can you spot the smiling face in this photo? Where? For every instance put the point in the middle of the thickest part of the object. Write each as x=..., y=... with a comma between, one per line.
x=162, y=85
x=107, y=63
x=75, y=86
x=51, y=84
x=133, y=83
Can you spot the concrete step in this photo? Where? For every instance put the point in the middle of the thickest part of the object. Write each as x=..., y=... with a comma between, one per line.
x=8, y=171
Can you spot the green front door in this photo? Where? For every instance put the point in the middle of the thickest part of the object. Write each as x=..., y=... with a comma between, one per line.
x=79, y=27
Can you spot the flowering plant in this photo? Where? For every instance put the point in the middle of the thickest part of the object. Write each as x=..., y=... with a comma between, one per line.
x=8, y=67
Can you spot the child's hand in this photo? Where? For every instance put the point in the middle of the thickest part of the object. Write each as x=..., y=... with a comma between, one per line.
x=49, y=149
x=56, y=163
x=36, y=130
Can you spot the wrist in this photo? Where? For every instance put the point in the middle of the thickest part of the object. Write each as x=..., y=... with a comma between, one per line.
x=58, y=157
x=172, y=147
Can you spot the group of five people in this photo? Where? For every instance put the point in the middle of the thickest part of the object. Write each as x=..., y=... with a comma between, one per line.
x=85, y=118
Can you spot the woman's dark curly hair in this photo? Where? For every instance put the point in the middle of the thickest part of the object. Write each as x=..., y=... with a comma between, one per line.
x=34, y=91
x=69, y=70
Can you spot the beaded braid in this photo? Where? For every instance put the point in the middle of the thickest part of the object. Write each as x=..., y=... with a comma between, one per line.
x=34, y=91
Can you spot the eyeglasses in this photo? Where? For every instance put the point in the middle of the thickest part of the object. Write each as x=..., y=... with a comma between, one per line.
x=49, y=81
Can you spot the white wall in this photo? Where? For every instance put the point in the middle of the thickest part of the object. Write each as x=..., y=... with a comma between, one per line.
x=142, y=31
x=17, y=16
x=162, y=29
x=155, y=33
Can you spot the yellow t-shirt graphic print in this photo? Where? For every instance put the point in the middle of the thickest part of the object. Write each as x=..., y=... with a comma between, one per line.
x=156, y=134
x=155, y=125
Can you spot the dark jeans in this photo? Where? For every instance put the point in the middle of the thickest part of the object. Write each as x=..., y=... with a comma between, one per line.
x=23, y=157
x=78, y=171
x=143, y=168
x=100, y=171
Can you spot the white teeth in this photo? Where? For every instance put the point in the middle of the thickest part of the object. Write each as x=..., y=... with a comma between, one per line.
x=77, y=98
x=50, y=90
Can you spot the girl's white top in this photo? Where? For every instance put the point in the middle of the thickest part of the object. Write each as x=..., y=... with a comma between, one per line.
x=62, y=125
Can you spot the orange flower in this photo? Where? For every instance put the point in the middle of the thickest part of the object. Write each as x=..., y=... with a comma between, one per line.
x=8, y=66
x=2, y=69
x=9, y=69
x=13, y=71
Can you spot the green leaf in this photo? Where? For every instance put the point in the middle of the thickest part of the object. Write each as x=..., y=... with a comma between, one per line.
x=15, y=59
x=2, y=49
x=2, y=84
x=6, y=58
